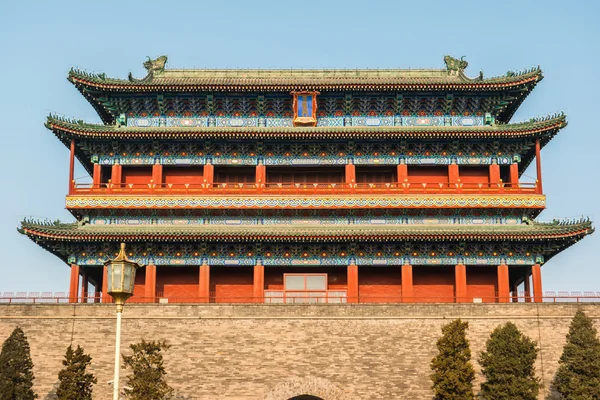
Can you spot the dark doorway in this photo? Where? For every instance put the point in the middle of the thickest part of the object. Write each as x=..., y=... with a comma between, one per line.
x=305, y=397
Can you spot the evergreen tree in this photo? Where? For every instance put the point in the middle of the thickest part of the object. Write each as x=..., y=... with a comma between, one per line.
x=578, y=375
x=147, y=381
x=16, y=376
x=508, y=365
x=453, y=373
x=75, y=382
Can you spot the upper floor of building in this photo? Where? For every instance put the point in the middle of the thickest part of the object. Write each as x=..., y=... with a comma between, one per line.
x=283, y=98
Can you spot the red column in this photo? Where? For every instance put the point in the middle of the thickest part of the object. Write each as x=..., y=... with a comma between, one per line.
x=157, y=175
x=74, y=284
x=536, y=273
x=350, y=174
x=352, y=283
x=453, y=174
x=209, y=174
x=105, y=295
x=261, y=175
x=72, y=167
x=259, y=283
x=204, y=284
x=407, y=284
x=460, y=283
x=97, y=176
x=150, y=284
x=514, y=175
x=84, y=287
x=494, y=175
x=402, y=173
x=527, y=284
x=538, y=166
x=116, y=174
x=503, y=284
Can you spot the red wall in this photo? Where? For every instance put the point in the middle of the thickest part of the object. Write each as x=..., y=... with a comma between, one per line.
x=381, y=174
x=136, y=175
x=376, y=284
x=306, y=174
x=177, y=283
x=183, y=175
x=232, y=284
x=227, y=174
x=427, y=174
x=482, y=283
x=337, y=277
x=433, y=284
x=379, y=284
x=479, y=174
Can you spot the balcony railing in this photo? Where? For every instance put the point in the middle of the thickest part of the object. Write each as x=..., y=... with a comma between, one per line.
x=330, y=297
x=391, y=188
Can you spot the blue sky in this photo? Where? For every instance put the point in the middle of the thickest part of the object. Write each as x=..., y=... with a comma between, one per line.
x=41, y=40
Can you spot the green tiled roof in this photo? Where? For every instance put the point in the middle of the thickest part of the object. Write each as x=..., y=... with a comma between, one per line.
x=532, y=128
x=309, y=233
x=297, y=79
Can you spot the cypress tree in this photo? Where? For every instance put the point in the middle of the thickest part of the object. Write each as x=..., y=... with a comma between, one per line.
x=147, y=381
x=508, y=365
x=16, y=376
x=75, y=382
x=578, y=375
x=453, y=373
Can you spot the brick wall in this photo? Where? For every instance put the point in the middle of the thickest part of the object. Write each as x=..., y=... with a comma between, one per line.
x=273, y=351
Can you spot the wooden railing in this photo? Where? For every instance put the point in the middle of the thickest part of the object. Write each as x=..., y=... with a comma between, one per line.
x=390, y=188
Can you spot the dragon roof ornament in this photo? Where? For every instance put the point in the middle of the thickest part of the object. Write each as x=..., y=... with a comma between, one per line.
x=454, y=65
x=154, y=67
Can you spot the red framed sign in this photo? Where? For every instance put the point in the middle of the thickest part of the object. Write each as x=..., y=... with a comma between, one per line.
x=305, y=108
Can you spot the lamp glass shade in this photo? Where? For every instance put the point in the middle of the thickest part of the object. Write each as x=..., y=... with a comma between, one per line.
x=121, y=275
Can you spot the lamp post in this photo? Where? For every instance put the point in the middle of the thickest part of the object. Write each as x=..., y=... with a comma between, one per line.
x=121, y=276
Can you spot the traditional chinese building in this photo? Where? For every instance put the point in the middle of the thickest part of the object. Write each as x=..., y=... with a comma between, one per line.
x=309, y=185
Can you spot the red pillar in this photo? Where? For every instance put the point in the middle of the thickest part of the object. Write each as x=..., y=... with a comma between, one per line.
x=538, y=165
x=97, y=175
x=350, y=174
x=352, y=283
x=460, y=283
x=453, y=174
x=204, y=284
x=72, y=167
x=494, y=175
x=105, y=295
x=84, y=287
x=157, y=175
x=527, y=284
x=503, y=284
x=407, y=284
x=150, y=284
x=209, y=174
x=536, y=273
x=116, y=174
x=514, y=175
x=259, y=283
x=74, y=284
x=402, y=174
x=261, y=175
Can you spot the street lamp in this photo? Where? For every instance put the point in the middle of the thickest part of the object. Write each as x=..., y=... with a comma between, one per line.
x=121, y=277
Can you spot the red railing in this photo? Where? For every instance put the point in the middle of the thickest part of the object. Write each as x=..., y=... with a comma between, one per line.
x=390, y=188
x=333, y=296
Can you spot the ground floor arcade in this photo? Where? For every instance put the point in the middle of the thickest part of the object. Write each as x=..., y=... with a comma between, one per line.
x=301, y=284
